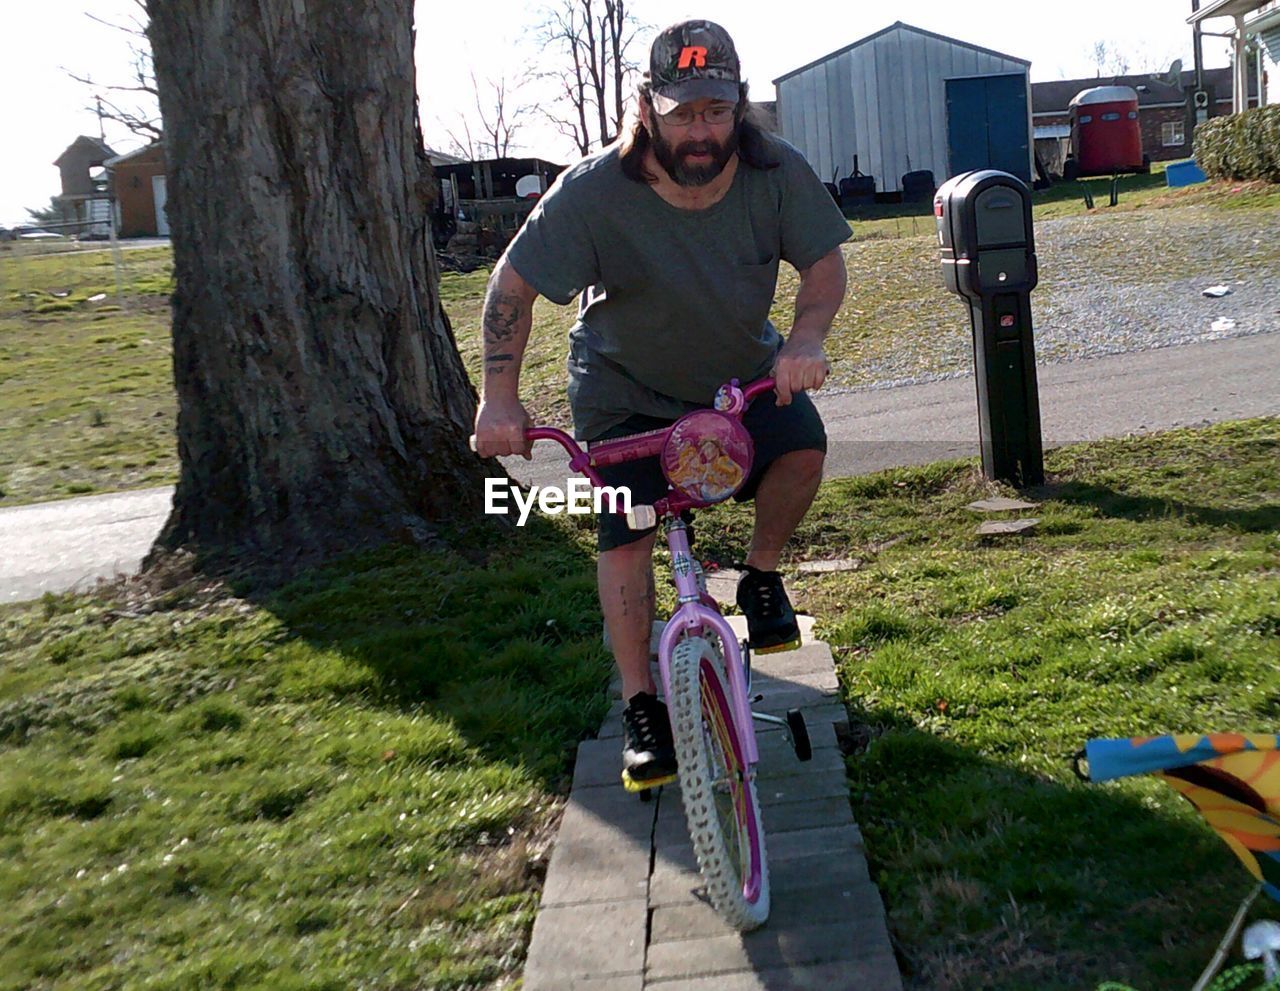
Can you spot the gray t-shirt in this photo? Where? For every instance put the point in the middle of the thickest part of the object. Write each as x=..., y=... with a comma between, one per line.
x=674, y=302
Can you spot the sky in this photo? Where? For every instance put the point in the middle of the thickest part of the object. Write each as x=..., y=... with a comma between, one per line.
x=42, y=109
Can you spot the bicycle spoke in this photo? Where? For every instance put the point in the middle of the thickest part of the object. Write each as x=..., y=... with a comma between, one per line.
x=730, y=796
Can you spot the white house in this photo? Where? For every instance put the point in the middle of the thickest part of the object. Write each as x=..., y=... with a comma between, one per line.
x=1258, y=19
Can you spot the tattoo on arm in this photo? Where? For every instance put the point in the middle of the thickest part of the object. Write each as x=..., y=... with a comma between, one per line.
x=496, y=364
x=502, y=311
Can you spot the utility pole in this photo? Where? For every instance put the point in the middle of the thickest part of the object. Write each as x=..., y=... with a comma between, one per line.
x=1198, y=45
x=117, y=256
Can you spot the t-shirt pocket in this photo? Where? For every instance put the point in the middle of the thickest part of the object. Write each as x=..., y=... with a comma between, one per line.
x=754, y=286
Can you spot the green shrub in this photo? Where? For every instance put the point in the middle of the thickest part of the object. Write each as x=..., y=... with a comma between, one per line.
x=1241, y=146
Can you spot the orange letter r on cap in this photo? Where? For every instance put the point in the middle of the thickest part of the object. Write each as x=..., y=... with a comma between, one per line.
x=694, y=55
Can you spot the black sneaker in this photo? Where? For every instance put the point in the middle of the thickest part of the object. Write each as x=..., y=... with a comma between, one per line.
x=648, y=753
x=771, y=622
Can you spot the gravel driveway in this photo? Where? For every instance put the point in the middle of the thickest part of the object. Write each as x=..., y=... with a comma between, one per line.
x=1109, y=284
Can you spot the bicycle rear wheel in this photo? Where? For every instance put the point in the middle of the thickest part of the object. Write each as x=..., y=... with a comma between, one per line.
x=719, y=793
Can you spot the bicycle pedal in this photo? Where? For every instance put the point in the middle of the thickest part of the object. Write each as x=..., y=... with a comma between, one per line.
x=638, y=786
x=780, y=648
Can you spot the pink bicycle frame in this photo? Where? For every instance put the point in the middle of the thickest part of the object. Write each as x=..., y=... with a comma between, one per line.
x=696, y=613
x=695, y=617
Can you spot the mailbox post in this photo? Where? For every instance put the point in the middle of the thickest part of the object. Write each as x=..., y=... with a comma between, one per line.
x=989, y=258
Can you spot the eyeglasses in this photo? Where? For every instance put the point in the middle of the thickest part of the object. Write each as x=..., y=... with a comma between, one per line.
x=683, y=117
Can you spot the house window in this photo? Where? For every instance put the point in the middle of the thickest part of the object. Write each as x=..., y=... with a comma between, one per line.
x=1172, y=133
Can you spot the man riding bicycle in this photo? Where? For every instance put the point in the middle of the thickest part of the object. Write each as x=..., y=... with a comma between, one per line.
x=673, y=236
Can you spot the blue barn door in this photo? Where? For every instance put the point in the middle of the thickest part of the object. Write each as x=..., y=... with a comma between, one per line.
x=987, y=125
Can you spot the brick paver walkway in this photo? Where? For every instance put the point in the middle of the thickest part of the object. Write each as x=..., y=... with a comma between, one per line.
x=622, y=909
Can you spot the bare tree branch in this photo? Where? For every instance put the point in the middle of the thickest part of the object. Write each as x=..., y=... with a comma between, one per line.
x=141, y=126
x=1110, y=60
x=142, y=120
x=497, y=125
x=139, y=30
x=498, y=120
x=89, y=81
x=585, y=45
x=467, y=149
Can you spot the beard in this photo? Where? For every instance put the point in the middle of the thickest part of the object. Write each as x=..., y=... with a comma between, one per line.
x=674, y=159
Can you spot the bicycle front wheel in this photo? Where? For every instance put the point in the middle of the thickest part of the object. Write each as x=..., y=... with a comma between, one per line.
x=717, y=787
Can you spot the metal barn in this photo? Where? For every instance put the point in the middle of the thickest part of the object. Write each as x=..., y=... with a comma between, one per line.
x=905, y=100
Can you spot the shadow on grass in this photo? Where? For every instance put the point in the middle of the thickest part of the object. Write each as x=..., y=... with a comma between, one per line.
x=365, y=760
x=497, y=638
x=1129, y=506
x=995, y=878
x=1064, y=191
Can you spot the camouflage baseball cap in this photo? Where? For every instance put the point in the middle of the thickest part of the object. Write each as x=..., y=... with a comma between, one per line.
x=693, y=60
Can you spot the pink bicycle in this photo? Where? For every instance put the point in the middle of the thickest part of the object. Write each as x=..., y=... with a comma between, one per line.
x=705, y=671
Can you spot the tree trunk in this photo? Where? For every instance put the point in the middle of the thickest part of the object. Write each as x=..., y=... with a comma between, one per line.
x=579, y=95
x=597, y=56
x=322, y=404
x=615, y=11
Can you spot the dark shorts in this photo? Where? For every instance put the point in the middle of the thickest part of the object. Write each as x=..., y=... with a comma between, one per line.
x=775, y=431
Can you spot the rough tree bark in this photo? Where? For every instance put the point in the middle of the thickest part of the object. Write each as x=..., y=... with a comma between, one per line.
x=322, y=404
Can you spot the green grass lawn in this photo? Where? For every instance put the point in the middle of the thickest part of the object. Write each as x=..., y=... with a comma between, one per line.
x=351, y=782
x=1147, y=601
x=86, y=385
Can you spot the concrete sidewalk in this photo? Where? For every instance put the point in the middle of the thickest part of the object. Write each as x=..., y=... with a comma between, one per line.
x=69, y=544
x=623, y=906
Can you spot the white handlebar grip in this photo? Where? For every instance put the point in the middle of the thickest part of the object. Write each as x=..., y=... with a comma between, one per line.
x=641, y=517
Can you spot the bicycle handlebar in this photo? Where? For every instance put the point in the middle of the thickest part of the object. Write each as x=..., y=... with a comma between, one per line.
x=579, y=460
x=633, y=448
x=757, y=387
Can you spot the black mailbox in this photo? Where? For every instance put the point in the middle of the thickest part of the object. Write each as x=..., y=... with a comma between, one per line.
x=989, y=257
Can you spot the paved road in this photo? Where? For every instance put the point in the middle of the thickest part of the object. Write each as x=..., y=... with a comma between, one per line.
x=55, y=546
x=1142, y=392
x=80, y=247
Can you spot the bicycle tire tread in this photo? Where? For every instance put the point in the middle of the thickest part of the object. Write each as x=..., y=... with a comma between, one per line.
x=724, y=887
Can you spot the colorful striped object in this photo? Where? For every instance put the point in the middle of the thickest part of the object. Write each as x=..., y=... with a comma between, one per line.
x=1233, y=780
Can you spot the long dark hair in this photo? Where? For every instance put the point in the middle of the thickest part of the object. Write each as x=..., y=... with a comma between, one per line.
x=754, y=124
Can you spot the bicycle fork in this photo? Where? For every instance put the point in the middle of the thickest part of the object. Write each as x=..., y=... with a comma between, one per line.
x=694, y=616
